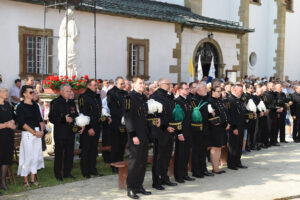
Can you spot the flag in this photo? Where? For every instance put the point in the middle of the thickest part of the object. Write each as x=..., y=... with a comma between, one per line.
x=191, y=70
x=200, y=73
x=212, y=70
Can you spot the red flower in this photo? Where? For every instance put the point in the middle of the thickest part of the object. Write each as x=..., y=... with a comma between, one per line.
x=84, y=81
x=44, y=82
x=74, y=76
x=61, y=76
x=49, y=83
x=51, y=86
x=86, y=77
x=79, y=80
x=98, y=81
x=51, y=78
x=78, y=84
x=47, y=79
x=62, y=82
x=69, y=80
x=65, y=77
x=56, y=78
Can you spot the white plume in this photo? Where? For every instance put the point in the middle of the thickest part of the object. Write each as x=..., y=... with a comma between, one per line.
x=82, y=120
x=261, y=107
x=105, y=112
x=154, y=106
x=210, y=109
x=123, y=121
x=251, y=106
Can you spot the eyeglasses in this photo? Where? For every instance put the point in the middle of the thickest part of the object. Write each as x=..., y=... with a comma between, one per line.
x=218, y=91
x=31, y=92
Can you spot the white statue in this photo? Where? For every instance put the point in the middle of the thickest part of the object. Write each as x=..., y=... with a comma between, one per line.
x=73, y=37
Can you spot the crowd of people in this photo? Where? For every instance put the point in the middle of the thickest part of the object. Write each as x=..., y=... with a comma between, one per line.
x=212, y=119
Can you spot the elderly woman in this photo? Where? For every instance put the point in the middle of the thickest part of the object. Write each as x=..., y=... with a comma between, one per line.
x=32, y=126
x=218, y=127
x=7, y=125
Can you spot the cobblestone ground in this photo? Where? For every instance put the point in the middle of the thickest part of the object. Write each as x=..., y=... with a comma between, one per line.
x=273, y=173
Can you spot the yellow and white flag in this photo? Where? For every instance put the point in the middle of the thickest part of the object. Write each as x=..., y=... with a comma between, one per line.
x=191, y=70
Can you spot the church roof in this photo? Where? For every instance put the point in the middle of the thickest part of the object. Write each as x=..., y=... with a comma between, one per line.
x=153, y=10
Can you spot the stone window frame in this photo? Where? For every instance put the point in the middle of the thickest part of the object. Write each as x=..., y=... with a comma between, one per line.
x=255, y=2
x=23, y=31
x=289, y=6
x=140, y=42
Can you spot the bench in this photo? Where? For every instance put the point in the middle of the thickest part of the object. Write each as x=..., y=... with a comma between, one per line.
x=123, y=171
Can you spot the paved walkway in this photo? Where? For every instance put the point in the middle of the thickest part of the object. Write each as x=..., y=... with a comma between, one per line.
x=273, y=173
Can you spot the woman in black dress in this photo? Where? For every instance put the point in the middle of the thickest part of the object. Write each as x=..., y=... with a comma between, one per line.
x=7, y=126
x=218, y=127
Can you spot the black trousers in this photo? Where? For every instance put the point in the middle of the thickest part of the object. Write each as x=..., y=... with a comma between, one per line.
x=235, y=148
x=199, y=149
x=273, y=123
x=89, y=153
x=296, y=130
x=106, y=141
x=250, y=136
x=281, y=126
x=118, y=145
x=181, y=157
x=138, y=155
x=263, y=130
x=162, y=153
x=64, y=154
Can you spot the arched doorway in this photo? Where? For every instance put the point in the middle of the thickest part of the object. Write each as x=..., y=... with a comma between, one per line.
x=208, y=49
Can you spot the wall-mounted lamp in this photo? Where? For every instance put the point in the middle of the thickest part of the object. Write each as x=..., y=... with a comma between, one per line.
x=210, y=35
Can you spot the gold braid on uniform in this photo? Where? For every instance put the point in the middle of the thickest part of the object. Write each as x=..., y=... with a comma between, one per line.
x=127, y=106
x=81, y=101
x=193, y=104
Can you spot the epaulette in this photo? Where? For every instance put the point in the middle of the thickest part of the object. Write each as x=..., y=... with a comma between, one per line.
x=127, y=103
x=81, y=104
x=193, y=104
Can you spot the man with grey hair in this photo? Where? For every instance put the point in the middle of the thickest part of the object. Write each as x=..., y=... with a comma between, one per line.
x=164, y=137
x=62, y=114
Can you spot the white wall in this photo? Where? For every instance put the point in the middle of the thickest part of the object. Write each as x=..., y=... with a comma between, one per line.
x=178, y=2
x=263, y=41
x=292, y=44
x=112, y=33
x=191, y=38
x=220, y=9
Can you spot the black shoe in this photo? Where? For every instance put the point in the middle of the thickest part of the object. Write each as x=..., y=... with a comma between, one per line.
x=219, y=172
x=179, y=180
x=232, y=168
x=4, y=187
x=198, y=176
x=207, y=173
x=86, y=176
x=276, y=144
x=132, y=194
x=70, y=176
x=168, y=183
x=158, y=187
x=242, y=166
x=143, y=191
x=59, y=179
x=187, y=178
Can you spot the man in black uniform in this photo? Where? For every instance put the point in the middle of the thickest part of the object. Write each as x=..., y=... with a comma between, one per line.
x=62, y=114
x=116, y=103
x=237, y=123
x=200, y=139
x=90, y=104
x=192, y=89
x=136, y=111
x=183, y=140
x=281, y=101
x=271, y=106
x=295, y=111
x=163, y=143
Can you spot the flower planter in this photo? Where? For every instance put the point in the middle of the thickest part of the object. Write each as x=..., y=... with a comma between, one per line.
x=57, y=91
x=51, y=91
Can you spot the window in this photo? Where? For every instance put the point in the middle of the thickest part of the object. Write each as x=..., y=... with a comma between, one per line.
x=138, y=54
x=289, y=5
x=257, y=2
x=35, y=46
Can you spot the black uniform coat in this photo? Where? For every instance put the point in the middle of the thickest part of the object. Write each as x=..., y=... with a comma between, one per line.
x=59, y=108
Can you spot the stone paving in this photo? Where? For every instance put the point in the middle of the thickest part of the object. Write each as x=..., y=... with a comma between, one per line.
x=272, y=173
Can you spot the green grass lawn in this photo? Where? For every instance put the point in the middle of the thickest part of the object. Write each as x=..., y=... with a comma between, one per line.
x=47, y=178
